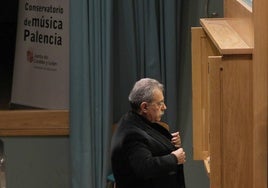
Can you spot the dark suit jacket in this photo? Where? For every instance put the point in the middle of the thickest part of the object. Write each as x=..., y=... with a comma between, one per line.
x=141, y=155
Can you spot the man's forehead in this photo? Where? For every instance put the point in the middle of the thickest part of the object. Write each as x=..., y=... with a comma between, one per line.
x=158, y=94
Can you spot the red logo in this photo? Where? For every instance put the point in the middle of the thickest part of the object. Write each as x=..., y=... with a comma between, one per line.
x=29, y=56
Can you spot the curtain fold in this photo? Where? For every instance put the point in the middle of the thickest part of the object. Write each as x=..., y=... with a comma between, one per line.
x=148, y=44
x=90, y=106
x=113, y=44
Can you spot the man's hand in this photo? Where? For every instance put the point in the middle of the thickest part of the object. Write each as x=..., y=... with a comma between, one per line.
x=176, y=139
x=180, y=154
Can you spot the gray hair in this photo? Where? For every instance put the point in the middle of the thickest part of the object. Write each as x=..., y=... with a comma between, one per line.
x=142, y=91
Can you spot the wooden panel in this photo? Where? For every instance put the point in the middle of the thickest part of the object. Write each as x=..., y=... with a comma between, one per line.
x=198, y=117
x=34, y=122
x=237, y=130
x=201, y=48
x=215, y=100
x=225, y=37
x=234, y=9
x=242, y=20
x=256, y=21
x=242, y=162
x=260, y=72
x=231, y=128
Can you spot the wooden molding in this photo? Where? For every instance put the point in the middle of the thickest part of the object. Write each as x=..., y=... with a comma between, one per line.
x=34, y=123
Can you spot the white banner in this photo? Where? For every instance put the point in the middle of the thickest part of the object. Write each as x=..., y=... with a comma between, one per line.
x=41, y=67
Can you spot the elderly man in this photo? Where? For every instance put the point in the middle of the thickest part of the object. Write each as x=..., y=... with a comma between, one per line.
x=144, y=153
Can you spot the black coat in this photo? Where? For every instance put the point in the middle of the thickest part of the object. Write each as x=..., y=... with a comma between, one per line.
x=141, y=155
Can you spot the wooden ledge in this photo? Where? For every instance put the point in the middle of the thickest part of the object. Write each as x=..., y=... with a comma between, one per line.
x=225, y=36
x=34, y=123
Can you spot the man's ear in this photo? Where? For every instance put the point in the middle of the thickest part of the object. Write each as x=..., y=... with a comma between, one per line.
x=144, y=106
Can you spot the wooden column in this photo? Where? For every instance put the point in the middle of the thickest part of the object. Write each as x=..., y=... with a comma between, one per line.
x=260, y=94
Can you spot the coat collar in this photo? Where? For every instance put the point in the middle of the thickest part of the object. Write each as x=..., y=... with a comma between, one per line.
x=153, y=129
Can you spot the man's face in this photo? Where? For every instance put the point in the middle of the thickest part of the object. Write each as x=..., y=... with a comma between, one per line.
x=156, y=108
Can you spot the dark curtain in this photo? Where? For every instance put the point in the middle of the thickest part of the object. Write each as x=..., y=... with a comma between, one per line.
x=147, y=35
x=113, y=44
x=90, y=89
